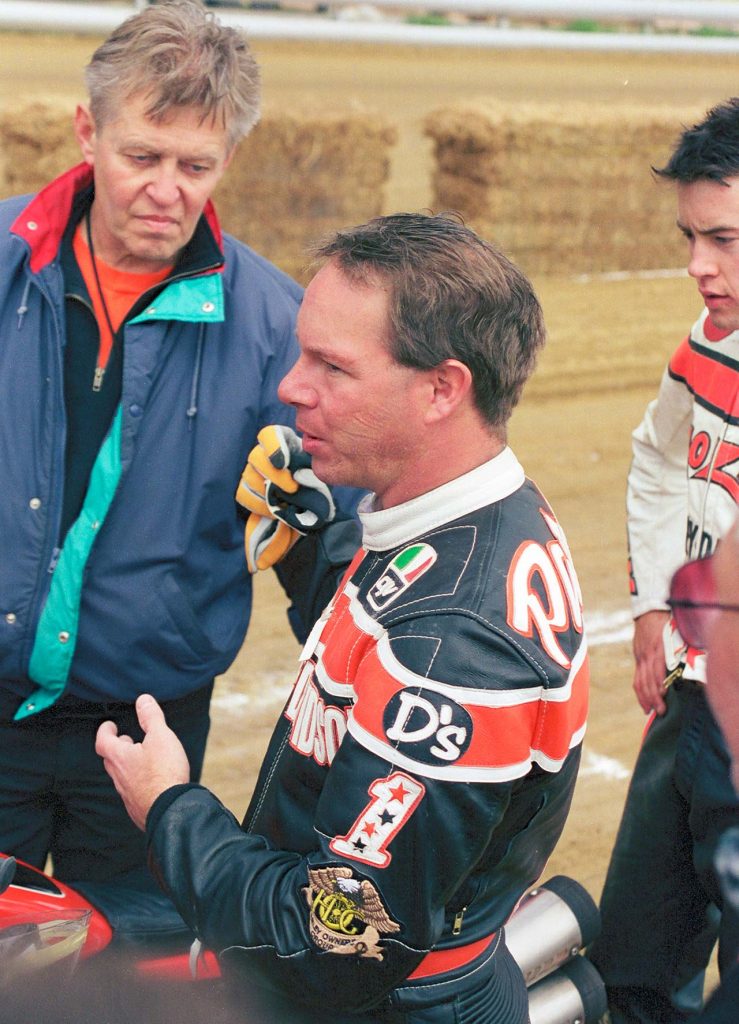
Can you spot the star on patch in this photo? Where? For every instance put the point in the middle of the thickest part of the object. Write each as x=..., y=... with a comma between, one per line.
x=399, y=793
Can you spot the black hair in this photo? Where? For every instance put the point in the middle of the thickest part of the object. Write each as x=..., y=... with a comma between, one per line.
x=709, y=150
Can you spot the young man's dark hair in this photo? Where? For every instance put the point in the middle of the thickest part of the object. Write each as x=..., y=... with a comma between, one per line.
x=709, y=150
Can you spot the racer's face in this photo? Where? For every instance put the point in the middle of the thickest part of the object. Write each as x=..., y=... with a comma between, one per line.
x=360, y=412
x=708, y=216
x=152, y=180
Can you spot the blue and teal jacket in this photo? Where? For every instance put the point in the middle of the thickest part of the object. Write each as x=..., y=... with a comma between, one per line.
x=148, y=589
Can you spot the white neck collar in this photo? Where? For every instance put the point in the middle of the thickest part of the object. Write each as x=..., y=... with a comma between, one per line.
x=490, y=482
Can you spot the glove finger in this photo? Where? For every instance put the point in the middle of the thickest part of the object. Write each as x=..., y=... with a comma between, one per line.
x=254, y=479
x=253, y=503
x=260, y=461
x=276, y=444
x=278, y=546
x=252, y=498
x=284, y=447
x=266, y=541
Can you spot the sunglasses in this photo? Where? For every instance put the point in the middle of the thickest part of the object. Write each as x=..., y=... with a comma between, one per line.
x=693, y=601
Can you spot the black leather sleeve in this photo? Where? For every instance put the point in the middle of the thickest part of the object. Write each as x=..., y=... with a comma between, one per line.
x=248, y=902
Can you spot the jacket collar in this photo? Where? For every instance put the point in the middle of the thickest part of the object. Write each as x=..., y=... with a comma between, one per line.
x=488, y=483
x=43, y=222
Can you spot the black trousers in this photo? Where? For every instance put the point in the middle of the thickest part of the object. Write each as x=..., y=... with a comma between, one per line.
x=56, y=797
x=662, y=908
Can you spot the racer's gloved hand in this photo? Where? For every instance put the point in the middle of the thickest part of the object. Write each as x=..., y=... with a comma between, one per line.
x=283, y=496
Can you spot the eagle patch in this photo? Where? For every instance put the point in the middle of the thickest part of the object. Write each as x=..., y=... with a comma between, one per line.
x=346, y=915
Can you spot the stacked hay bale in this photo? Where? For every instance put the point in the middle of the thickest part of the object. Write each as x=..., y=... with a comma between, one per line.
x=293, y=179
x=563, y=190
x=297, y=177
x=37, y=144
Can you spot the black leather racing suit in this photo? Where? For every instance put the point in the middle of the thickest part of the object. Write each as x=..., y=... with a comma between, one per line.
x=420, y=773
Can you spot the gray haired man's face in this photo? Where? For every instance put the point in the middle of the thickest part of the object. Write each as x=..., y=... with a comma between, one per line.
x=152, y=181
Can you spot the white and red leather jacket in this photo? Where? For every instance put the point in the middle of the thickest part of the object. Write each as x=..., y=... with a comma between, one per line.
x=683, y=486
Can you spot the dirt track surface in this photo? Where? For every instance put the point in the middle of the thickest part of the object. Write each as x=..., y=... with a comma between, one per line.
x=608, y=342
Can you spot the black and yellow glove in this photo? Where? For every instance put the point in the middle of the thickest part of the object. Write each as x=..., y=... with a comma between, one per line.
x=283, y=496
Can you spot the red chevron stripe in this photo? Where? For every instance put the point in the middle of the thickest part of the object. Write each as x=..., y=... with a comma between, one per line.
x=713, y=381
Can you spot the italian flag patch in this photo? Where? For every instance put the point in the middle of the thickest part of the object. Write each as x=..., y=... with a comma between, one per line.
x=404, y=570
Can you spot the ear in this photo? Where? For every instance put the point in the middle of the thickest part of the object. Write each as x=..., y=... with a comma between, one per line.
x=451, y=383
x=84, y=130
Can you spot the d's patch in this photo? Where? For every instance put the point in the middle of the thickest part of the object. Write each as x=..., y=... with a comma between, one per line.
x=428, y=726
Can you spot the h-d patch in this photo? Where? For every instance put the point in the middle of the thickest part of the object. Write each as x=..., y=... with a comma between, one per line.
x=347, y=915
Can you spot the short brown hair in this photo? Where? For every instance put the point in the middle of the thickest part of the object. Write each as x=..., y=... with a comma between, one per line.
x=452, y=296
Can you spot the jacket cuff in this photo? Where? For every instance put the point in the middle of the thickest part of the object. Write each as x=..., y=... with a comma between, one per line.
x=162, y=804
x=642, y=605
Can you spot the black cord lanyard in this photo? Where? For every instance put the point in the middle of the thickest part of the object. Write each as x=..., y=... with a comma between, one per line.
x=97, y=380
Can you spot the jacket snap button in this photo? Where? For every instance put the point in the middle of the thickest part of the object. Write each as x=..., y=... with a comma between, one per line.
x=34, y=503
x=32, y=225
x=63, y=637
x=10, y=618
x=208, y=307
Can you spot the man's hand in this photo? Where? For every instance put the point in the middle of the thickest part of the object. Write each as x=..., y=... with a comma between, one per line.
x=649, y=653
x=141, y=771
x=283, y=495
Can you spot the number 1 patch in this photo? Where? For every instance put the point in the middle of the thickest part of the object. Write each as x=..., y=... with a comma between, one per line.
x=394, y=801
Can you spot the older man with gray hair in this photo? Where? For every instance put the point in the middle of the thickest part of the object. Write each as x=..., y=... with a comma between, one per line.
x=142, y=351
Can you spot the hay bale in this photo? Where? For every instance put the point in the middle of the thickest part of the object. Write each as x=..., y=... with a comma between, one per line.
x=38, y=143
x=297, y=177
x=560, y=189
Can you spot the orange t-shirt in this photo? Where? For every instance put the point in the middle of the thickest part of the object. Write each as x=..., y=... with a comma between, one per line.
x=120, y=288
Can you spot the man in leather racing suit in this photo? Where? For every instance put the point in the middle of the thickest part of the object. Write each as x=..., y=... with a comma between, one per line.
x=423, y=767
